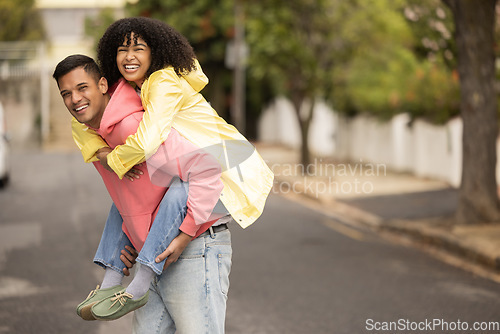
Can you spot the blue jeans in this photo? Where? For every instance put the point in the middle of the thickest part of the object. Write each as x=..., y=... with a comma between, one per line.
x=190, y=296
x=164, y=229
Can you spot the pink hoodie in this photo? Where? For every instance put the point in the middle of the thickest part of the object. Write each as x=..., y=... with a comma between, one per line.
x=138, y=200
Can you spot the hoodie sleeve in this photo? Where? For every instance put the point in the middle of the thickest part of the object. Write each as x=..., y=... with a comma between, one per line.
x=203, y=173
x=87, y=140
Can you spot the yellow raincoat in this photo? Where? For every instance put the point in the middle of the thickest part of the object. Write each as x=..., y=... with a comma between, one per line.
x=173, y=101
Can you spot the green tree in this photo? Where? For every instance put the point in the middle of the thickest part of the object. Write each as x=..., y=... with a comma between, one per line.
x=431, y=22
x=331, y=49
x=208, y=27
x=475, y=40
x=20, y=21
x=292, y=45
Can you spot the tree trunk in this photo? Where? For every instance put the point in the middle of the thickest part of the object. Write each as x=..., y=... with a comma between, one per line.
x=474, y=25
x=304, y=124
x=298, y=99
x=305, y=156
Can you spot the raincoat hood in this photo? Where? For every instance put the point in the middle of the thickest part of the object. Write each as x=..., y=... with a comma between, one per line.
x=196, y=79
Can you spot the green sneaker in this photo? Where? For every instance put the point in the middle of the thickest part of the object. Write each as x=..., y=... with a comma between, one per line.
x=83, y=309
x=117, y=306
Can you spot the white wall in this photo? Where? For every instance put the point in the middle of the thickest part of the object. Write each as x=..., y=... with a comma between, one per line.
x=421, y=148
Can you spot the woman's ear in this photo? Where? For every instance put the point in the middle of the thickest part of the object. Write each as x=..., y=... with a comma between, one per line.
x=103, y=85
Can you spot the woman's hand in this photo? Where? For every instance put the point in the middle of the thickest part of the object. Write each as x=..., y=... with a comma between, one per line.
x=174, y=250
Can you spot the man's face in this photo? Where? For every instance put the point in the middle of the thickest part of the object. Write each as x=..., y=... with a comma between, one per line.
x=85, y=98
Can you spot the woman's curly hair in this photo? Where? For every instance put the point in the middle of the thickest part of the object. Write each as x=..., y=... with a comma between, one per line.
x=168, y=46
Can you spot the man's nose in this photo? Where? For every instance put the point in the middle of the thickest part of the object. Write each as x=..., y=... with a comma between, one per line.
x=76, y=97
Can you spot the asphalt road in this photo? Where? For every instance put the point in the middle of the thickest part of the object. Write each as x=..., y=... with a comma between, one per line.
x=294, y=271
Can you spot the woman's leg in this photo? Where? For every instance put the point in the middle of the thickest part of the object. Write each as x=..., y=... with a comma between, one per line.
x=113, y=240
x=165, y=227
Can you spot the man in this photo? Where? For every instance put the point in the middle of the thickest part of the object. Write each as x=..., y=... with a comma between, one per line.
x=178, y=298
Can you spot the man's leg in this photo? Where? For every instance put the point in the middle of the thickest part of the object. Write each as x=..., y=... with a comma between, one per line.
x=193, y=290
x=153, y=318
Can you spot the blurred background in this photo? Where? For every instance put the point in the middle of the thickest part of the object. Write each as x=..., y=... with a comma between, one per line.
x=356, y=92
x=321, y=76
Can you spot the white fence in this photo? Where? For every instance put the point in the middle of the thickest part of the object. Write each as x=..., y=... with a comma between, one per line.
x=421, y=148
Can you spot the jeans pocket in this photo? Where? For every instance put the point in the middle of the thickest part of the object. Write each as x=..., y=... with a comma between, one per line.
x=224, y=270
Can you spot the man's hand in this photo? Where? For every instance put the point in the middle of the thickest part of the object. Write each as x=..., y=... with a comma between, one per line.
x=174, y=250
x=128, y=258
x=134, y=173
x=102, y=155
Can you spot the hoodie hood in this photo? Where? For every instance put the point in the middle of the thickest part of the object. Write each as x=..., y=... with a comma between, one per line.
x=124, y=101
x=196, y=79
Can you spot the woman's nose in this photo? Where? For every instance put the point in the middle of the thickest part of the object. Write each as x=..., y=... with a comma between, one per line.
x=130, y=55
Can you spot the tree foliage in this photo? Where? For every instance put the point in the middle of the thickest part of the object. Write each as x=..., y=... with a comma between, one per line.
x=20, y=21
x=432, y=24
x=96, y=26
x=293, y=47
x=206, y=25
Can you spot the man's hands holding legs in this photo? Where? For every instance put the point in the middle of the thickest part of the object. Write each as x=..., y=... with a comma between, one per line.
x=173, y=251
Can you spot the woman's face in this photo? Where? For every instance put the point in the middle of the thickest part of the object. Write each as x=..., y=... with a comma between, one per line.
x=133, y=61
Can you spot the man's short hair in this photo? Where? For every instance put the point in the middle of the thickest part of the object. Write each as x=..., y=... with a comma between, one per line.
x=72, y=62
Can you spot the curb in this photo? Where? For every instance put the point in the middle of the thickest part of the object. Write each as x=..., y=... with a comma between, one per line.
x=445, y=240
x=440, y=237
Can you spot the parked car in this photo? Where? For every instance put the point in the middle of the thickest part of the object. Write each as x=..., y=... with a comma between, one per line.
x=4, y=151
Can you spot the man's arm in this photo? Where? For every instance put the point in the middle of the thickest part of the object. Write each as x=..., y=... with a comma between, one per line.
x=174, y=250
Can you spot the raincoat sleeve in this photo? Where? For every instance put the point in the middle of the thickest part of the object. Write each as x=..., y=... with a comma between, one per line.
x=162, y=100
x=87, y=140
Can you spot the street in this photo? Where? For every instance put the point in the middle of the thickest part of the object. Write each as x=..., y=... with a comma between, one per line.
x=294, y=271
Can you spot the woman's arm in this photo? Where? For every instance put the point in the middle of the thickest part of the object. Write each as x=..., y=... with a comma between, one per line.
x=164, y=99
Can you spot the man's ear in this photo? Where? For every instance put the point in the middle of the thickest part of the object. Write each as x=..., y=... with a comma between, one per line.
x=103, y=85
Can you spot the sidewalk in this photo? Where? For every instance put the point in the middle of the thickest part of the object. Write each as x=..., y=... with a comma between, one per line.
x=386, y=201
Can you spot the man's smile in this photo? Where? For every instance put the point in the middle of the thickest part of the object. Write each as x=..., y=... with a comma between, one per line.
x=79, y=109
